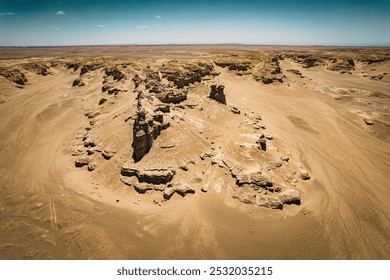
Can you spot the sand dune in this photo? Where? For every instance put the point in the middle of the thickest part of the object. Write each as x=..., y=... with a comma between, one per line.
x=167, y=172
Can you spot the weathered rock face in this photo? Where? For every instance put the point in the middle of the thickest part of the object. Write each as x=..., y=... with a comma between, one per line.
x=234, y=66
x=14, y=75
x=270, y=72
x=268, y=201
x=240, y=68
x=137, y=81
x=172, y=96
x=190, y=74
x=146, y=128
x=217, y=93
x=290, y=196
x=115, y=73
x=245, y=175
x=37, y=68
x=182, y=189
x=90, y=67
x=149, y=175
x=73, y=66
x=341, y=65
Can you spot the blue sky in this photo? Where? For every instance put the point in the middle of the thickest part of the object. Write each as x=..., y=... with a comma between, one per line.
x=69, y=22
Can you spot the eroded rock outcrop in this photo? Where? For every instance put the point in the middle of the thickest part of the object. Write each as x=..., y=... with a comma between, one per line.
x=149, y=175
x=342, y=65
x=115, y=73
x=14, y=75
x=217, y=93
x=270, y=72
x=172, y=96
x=90, y=67
x=147, y=126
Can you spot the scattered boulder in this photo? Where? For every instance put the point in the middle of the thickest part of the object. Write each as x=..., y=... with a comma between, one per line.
x=369, y=121
x=92, y=166
x=78, y=83
x=205, y=155
x=81, y=162
x=78, y=151
x=235, y=110
x=88, y=142
x=304, y=173
x=296, y=72
x=102, y=101
x=94, y=114
x=108, y=154
x=184, y=165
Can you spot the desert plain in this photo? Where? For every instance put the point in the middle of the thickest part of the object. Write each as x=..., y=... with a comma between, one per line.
x=195, y=152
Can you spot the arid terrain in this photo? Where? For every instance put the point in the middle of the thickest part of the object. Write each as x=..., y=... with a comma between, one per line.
x=194, y=152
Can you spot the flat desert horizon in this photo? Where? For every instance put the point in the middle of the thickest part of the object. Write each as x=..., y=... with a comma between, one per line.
x=195, y=152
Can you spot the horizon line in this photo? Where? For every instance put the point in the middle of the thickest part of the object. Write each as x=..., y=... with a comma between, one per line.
x=197, y=44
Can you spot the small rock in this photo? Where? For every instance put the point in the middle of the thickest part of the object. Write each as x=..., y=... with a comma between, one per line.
x=101, y=101
x=94, y=115
x=304, y=173
x=235, y=110
x=81, y=162
x=369, y=121
x=284, y=158
x=77, y=152
x=107, y=154
x=268, y=136
x=92, y=166
x=262, y=141
x=78, y=83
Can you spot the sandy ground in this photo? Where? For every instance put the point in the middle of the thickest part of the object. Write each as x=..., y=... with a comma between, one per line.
x=49, y=209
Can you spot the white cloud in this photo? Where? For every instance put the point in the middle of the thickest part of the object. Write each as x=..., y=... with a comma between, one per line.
x=101, y=25
x=142, y=26
x=60, y=13
x=7, y=14
x=158, y=17
x=54, y=27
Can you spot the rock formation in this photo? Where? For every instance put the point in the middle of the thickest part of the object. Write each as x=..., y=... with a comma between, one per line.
x=147, y=126
x=270, y=72
x=149, y=175
x=217, y=93
x=14, y=75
